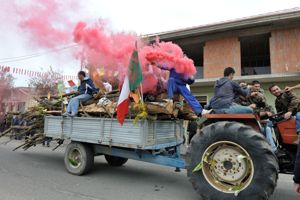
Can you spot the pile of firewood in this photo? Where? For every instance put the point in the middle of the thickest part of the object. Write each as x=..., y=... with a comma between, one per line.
x=153, y=107
x=32, y=126
x=158, y=108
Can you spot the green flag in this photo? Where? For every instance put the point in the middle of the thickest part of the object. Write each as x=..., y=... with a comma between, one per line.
x=134, y=71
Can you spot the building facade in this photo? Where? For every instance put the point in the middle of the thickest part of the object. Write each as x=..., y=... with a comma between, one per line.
x=264, y=47
x=19, y=100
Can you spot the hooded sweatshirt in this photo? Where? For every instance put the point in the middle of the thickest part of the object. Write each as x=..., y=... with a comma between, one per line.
x=225, y=92
x=87, y=87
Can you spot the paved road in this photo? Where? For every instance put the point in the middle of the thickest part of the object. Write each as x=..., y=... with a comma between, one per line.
x=39, y=174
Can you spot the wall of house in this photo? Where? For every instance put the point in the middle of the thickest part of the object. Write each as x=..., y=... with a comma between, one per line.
x=221, y=53
x=285, y=51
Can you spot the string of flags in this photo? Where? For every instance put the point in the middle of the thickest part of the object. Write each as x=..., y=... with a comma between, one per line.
x=30, y=73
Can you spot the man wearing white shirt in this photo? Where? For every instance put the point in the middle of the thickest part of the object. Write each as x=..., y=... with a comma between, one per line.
x=107, y=85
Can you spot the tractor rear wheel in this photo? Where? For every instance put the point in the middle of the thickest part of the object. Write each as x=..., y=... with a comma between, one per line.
x=229, y=161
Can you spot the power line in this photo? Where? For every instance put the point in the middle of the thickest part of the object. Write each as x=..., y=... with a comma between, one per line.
x=19, y=58
x=40, y=53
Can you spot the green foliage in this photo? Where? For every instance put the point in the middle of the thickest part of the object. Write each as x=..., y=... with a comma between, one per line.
x=73, y=162
x=198, y=167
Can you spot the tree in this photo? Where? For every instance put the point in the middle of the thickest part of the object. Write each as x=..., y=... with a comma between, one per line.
x=47, y=82
x=6, y=85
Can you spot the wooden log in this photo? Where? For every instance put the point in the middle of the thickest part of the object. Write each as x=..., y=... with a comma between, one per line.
x=160, y=107
x=20, y=127
x=58, y=96
x=94, y=108
x=187, y=113
x=53, y=112
x=161, y=97
x=5, y=132
x=13, y=113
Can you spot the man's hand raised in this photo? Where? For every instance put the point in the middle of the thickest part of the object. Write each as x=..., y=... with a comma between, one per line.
x=253, y=94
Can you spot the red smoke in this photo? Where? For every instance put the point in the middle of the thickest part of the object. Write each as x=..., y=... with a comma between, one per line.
x=51, y=23
x=105, y=52
x=46, y=22
x=171, y=56
x=103, y=49
x=167, y=54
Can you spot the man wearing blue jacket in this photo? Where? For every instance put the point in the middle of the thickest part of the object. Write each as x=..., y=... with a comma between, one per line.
x=85, y=92
x=177, y=84
x=225, y=91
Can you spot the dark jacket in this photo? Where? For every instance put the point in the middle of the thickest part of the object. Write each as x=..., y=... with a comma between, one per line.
x=261, y=102
x=241, y=100
x=87, y=87
x=225, y=92
x=287, y=102
x=297, y=167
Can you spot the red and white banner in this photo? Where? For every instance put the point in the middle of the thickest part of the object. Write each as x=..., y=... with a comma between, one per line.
x=25, y=72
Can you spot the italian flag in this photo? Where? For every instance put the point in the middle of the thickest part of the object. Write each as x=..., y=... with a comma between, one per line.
x=131, y=82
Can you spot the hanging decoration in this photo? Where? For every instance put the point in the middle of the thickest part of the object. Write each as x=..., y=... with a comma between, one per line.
x=29, y=73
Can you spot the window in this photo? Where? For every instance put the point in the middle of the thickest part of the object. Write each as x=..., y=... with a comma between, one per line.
x=21, y=107
x=202, y=100
x=255, y=54
x=195, y=52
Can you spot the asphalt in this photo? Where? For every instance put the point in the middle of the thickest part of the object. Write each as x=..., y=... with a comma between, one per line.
x=39, y=174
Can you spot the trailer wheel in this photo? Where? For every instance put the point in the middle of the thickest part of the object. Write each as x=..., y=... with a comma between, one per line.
x=229, y=161
x=79, y=158
x=115, y=161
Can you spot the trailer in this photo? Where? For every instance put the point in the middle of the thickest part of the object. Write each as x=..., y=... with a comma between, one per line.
x=149, y=141
x=226, y=159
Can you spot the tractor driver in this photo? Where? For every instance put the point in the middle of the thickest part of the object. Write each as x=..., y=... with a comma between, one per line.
x=288, y=103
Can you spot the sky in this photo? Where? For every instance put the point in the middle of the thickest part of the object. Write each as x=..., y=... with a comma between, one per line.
x=140, y=16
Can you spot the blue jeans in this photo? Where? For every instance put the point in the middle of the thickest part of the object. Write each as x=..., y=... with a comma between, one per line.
x=269, y=137
x=235, y=109
x=298, y=122
x=182, y=89
x=74, y=103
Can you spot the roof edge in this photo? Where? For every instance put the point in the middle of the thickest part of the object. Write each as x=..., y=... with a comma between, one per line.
x=235, y=23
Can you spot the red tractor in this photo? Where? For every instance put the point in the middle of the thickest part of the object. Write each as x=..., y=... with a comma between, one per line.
x=235, y=159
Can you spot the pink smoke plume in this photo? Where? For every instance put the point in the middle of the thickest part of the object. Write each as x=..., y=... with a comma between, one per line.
x=105, y=53
x=46, y=22
x=167, y=54
x=51, y=23
x=100, y=41
x=171, y=56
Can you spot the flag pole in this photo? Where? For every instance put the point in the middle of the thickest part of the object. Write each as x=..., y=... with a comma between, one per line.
x=142, y=96
x=141, y=86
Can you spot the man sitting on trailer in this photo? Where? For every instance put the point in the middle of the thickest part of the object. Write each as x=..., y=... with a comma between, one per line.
x=86, y=91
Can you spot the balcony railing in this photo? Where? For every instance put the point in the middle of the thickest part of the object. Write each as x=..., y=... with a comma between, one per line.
x=256, y=70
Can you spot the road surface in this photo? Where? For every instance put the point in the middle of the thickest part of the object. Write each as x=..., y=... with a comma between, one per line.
x=39, y=174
